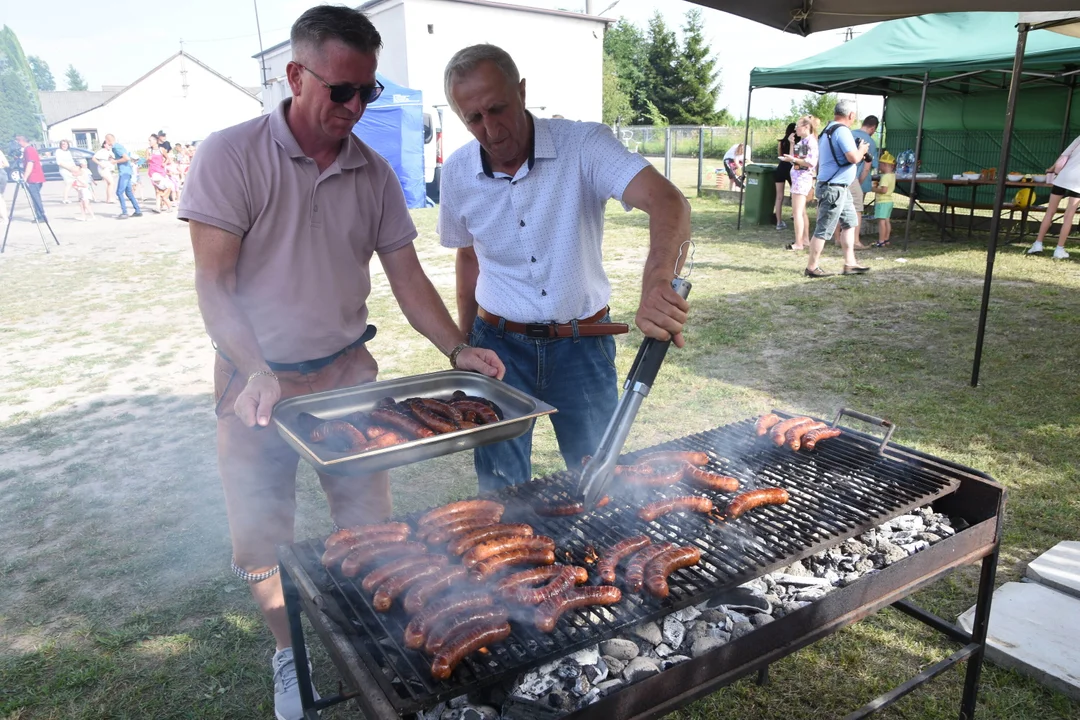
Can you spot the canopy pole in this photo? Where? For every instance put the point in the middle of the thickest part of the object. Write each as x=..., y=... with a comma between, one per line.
x=999, y=194
x=746, y=139
x=881, y=125
x=918, y=149
x=1068, y=112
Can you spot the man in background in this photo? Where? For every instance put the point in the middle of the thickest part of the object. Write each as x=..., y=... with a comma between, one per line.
x=863, y=182
x=124, y=173
x=33, y=174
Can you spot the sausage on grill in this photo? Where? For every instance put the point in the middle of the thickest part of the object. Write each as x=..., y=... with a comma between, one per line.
x=366, y=531
x=464, y=644
x=497, y=563
x=412, y=427
x=442, y=515
x=674, y=457
x=449, y=625
x=650, y=476
x=813, y=437
x=463, y=524
x=566, y=509
x=501, y=545
x=529, y=578
x=667, y=562
x=662, y=507
x=621, y=549
x=378, y=576
x=779, y=431
x=549, y=612
x=794, y=437
x=337, y=553
x=464, y=542
x=420, y=593
x=399, y=582
x=756, y=498
x=417, y=629
x=366, y=555
x=635, y=569
x=765, y=422
x=709, y=481
x=566, y=577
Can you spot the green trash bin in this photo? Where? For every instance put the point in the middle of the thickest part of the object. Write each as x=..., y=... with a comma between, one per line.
x=760, y=194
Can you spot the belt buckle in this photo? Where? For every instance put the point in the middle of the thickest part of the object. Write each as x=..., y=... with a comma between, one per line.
x=538, y=330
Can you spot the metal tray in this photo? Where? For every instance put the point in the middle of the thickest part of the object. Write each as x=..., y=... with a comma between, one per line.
x=519, y=412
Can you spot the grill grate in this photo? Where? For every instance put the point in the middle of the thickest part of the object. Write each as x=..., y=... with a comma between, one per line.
x=842, y=489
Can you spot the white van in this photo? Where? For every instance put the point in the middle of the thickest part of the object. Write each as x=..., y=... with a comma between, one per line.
x=433, y=150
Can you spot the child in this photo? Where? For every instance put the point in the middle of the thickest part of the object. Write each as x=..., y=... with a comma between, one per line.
x=883, y=188
x=83, y=182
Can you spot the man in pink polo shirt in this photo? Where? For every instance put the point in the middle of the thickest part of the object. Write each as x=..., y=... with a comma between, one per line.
x=285, y=212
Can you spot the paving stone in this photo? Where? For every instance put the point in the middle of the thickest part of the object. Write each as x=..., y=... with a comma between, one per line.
x=1029, y=633
x=1058, y=567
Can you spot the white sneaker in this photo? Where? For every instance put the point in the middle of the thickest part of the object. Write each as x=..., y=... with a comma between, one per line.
x=286, y=690
x=1060, y=254
x=1036, y=248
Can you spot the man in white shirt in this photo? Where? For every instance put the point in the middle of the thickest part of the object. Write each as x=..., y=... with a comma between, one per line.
x=524, y=207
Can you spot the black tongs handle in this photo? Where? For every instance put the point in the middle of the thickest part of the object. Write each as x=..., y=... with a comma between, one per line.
x=650, y=355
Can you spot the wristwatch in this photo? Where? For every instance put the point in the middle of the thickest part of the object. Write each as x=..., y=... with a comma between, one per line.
x=455, y=352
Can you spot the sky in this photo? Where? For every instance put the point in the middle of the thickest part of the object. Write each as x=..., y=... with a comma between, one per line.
x=111, y=45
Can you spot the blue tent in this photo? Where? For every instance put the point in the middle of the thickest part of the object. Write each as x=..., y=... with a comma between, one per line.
x=393, y=126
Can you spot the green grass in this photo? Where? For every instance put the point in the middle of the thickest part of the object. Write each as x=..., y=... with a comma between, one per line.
x=115, y=600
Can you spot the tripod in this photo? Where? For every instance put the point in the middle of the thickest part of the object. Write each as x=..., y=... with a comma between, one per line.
x=20, y=183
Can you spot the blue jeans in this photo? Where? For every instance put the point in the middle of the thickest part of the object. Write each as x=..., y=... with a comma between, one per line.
x=575, y=375
x=35, y=200
x=123, y=187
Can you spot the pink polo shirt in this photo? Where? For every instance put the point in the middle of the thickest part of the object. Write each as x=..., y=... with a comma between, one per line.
x=303, y=274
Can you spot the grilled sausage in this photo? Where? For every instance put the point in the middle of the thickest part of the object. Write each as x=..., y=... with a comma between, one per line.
x=375, y=431
x=439, y=407
x=621, y=549
x=462, y=543
x=417, y=629
x=308, y=422
x=378, y=576
x=529, y=578
x=566, y=577
x=441, y=515
x=465, y=644
x=812, y=438
x=339, y=435
x=521, y=556
x=338, y=551
x=709, y=481
x=501, y=545
x=795, y=435
x=364, y=531
x=686, y=502
x=779, y=431
x=367, y=555
x=430, y=418
x=635, y=569
x=422, y=592
x=674, y=457
x=566, y=509
x=765, y=422
x=549, y=612
x=399, y=582
x=652, y=477
x=667, y=562
x=464, y=524
x=479, y=411
x=756, y=498
x=410, y=426
x=389, y=438
x=441, y=631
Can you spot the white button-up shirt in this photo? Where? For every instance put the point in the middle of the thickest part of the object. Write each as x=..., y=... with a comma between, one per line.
x=537, y=235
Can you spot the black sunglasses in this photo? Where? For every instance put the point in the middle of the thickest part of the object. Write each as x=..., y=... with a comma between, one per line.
x=342, y=94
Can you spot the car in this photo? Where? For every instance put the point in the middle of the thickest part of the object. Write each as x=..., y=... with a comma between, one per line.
x=48, y=163
x=433, y=154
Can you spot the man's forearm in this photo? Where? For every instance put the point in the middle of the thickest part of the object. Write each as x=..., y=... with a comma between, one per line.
x=467, y=270
x=669, y=228
x=229, y=328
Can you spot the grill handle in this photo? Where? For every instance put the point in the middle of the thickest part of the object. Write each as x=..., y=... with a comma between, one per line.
x=880, y=422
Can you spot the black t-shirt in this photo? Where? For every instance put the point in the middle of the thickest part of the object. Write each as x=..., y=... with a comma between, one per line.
x=785, y=146
x=165, y=144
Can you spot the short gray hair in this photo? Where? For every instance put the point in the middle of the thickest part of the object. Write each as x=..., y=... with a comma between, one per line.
x=335, y=22
x=466, y=60
x=844, y=108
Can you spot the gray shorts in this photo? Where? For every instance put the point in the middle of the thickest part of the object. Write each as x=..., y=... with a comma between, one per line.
x=834, y=206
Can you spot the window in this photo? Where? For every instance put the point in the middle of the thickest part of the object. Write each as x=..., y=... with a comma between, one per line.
x=86, y=139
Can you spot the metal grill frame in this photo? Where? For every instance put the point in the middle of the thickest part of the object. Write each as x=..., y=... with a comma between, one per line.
x=380, y=699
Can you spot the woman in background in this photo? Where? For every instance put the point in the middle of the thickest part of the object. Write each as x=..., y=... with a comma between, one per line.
x=803, y=159
x=66, y=164
x=107, y=170
x=783, y=174
x=1064, y=175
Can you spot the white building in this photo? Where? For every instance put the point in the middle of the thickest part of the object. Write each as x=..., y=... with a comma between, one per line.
x=560, y=54
x=182, y=96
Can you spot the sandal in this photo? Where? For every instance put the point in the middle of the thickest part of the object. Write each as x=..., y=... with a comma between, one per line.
x=793, y=247
x=881, y=244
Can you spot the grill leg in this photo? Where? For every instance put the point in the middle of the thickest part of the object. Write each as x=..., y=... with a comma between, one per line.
x=296, y=634
x=978, y=633
x=763, y=676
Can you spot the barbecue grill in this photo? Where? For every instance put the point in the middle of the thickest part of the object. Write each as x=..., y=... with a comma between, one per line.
x=847, y=486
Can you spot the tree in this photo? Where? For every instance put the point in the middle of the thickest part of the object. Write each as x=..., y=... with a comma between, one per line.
x=697, y=86
x=75, y=81
x=42, y=74
x=661, y=78
x=626, y=46
x=820, y=106
x=18, y=92
x=617, y=107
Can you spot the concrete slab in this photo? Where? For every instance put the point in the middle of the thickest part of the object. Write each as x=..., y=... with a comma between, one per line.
x=1035, y=630
x=1059, y=567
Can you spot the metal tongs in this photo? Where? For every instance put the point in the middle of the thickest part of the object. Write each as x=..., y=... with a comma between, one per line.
x=598, y=473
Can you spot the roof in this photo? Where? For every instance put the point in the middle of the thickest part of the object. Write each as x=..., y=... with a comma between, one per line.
x=956, y=49
x=60, y=104
x=803, y=17
x=371, y=4
x=107, y=100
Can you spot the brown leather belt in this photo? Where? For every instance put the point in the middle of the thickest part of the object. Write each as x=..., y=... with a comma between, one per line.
x=587, y=327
